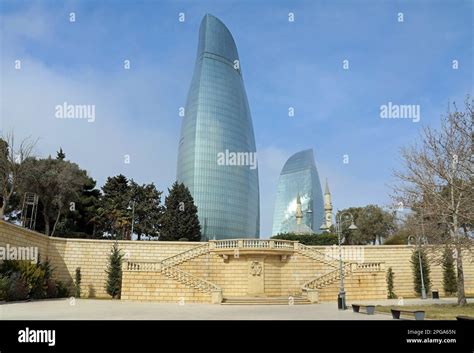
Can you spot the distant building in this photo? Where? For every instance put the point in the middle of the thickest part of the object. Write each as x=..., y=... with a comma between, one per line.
x=327, y=206
x=298, y=187
x=217, y=154
x=298, y=227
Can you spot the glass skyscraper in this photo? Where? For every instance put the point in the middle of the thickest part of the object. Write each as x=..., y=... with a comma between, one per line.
x=299, y=177
x=217, y=154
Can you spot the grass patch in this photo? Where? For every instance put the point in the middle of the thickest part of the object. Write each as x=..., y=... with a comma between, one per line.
x=434, y=311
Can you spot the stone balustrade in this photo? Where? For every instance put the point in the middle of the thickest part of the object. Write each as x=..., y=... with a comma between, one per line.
x=368, y=267
x=252, y=244
x=141, y=266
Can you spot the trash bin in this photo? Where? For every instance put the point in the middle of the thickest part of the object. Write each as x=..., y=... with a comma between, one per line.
x=435, y=294
x=341, y=305
x=339, y=302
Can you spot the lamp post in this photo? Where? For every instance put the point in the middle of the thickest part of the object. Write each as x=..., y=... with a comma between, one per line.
x=339, y=223
x=133, y=217
x=418, y=245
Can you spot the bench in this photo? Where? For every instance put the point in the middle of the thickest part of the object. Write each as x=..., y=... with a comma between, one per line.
x=418, y=314
x=464, y=318
x=369, y=309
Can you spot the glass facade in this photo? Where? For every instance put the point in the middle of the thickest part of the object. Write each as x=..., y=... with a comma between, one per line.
x=217, y=124
x=299, y=176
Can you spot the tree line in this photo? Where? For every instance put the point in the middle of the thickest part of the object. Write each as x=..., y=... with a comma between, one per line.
x=70, y=204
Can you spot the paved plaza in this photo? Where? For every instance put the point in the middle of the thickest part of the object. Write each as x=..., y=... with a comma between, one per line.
x=96, y=309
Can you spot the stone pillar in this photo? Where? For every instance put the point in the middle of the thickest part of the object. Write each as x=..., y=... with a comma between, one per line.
x=313, y=295
x=216, y=296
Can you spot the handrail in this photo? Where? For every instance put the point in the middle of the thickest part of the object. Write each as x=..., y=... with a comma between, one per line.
x=332, y=276
x=320, y=281
x=253, y=244
x=368, y=267
x=317, y=254
x=142, y=266
x=190, y=280
x=185, y=255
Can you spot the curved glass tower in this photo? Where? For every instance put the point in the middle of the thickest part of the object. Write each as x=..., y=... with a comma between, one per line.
x=217, y=155
x=299, y=177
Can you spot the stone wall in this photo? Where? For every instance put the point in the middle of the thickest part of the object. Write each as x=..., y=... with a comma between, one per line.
x=157, y=287
x=281, y=277
x=91, y=256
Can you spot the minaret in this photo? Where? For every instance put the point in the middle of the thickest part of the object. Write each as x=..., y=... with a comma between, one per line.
x=299, y=212
x=327, y=206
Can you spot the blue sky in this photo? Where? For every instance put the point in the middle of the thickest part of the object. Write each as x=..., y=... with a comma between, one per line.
x=285, y=64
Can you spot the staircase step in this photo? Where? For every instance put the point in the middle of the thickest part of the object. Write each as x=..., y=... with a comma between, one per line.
x=297, y=300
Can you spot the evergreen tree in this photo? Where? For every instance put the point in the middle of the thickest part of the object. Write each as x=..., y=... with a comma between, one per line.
x=60, y=154
x=114, y=272
x=449, y=272
x=147, y=209
x=180, y=219
x=78, y=282
x=415, y=262
x=390, y=279
x=78, y=221
x=113, y=216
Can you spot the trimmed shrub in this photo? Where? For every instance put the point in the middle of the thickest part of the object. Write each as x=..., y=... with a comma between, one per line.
x=78, y=282
x=390, y=278
x=114, y=272
x=450, y=285
x=415, y=262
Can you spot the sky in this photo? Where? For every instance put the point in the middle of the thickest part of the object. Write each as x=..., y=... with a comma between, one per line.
x=285, y=64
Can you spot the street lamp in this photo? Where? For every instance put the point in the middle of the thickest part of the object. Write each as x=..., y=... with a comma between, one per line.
x=133, y=216
x=339, y=223
x=418, y=245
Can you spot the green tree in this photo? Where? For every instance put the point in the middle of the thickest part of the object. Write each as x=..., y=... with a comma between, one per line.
x=114, y=272
x=57, y=183
x=449, y=272
x=180, y=219
x=78, y=221
x=373, y=223
x=408, y=225
x=390, y=279
x=60, y=154
x=147, y=209
x=415, y=262
x=113, y=217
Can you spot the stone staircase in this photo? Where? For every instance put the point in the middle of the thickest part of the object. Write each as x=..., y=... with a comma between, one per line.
x=295, y=300
x=190, y=280
x=316, y=284
x=317, y=255
x=185, y=256
x=310, y=290
x=328, y=278
x=168, y=267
